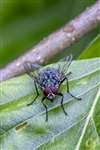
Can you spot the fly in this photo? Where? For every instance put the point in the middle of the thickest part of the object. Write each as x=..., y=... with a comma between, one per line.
x=49, y=81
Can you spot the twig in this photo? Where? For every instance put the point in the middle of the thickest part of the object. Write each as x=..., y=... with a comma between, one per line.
x=56, y=42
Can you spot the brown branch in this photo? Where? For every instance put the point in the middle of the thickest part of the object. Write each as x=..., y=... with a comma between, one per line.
x=56, y=42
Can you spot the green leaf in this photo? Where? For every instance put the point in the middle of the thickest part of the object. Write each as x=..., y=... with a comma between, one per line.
x=24, y=128
x=93, y=50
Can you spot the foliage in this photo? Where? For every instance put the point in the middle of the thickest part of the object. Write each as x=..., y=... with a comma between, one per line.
x=22, y=24
x=24, y=127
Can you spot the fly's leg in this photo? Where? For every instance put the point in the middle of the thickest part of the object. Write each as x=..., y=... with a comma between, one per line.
x=28, y=66
x=77, y=98
x=62, y=106
x=37, y=94
x=42, y=101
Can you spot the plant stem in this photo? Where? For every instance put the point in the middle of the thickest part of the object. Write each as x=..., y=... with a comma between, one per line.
x=56, y=42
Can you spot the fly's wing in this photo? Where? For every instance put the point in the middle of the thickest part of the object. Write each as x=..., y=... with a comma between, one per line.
x=13, y=87
x=67, y=61
x=29, y=67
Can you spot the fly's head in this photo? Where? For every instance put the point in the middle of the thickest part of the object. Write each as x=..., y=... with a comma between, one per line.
x=50, y=92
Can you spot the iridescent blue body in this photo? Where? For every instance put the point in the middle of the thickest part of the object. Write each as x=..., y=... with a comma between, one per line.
x=49, y=81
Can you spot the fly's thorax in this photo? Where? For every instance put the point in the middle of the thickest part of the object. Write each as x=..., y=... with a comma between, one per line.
x=48, y=75
x=49, y=80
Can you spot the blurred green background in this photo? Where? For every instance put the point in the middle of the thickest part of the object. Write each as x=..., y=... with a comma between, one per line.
x=23, y=23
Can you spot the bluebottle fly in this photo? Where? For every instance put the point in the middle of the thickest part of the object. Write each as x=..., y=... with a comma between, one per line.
x=49, y=81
